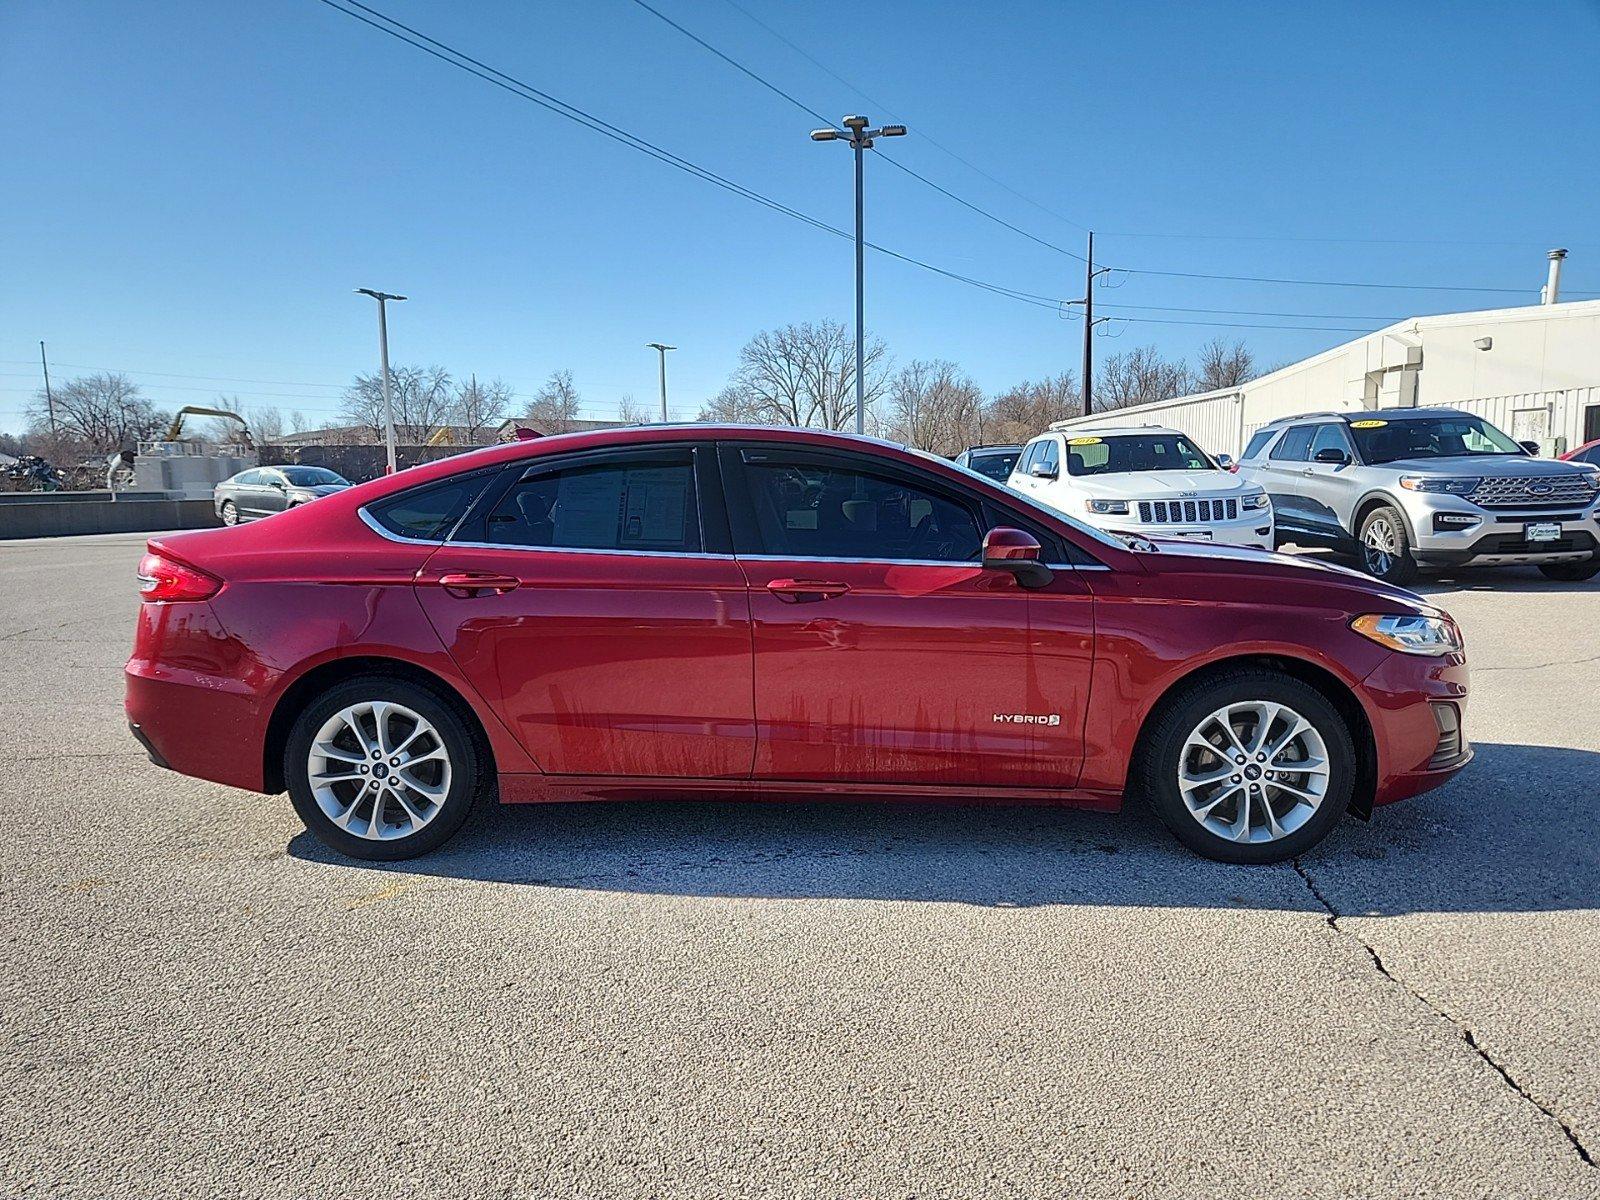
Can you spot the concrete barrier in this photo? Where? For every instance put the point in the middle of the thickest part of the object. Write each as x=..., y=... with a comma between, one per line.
x=41, y=514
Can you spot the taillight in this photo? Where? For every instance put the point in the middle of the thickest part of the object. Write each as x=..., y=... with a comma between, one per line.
x=162, y=580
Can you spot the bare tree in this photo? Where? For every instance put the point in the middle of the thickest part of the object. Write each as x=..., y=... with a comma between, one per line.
x=265, y=423
x=1223, y=366
x=555, y=406
x=423, y=401
x=934, y=407
x=631, y=412
x=1019, y=413
x=479, y=407
x=733, y=405
x=1140, y=376
x=297, y=422
x=802, y=375
x=96, y=414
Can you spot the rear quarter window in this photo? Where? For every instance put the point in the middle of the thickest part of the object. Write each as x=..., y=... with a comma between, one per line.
x=429, y=513
x=1258, y=443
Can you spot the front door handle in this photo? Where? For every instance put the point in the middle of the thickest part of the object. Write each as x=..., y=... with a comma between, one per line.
x=806, y=591
x=471, y=584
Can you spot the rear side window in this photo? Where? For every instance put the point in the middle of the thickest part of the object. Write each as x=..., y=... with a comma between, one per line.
x=1296, y=444
x=429, y=513
x=642, y=504
x=1258, y=443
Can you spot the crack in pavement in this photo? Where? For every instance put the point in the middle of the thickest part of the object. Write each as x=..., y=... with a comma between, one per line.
x=1560, y=662
x=1461, y=1027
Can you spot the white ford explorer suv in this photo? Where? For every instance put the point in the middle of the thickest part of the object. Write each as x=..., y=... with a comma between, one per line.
x=1146, y=480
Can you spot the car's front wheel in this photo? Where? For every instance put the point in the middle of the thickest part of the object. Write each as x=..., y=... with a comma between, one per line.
x=1248, y=767
x=1386, y=546
x=1571, y=572
x=381, y=768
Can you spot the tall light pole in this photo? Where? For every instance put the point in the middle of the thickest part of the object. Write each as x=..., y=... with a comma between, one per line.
x=383, y=299
x=662, y=351
x=860, y=139
x=49, y=397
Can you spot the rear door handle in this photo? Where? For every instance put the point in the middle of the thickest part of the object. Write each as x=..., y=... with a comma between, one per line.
x=806, y=591
x=471, y=584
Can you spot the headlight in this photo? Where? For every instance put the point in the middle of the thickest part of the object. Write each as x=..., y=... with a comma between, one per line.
x=1410, y=635
x=1424, y=483
x=1591, y=476
x=1255, y=500
x=1108, y=507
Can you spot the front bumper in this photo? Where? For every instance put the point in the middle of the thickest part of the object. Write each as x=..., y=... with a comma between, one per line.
x=1257, y=530
x=1417, y=706
x=1451, y=531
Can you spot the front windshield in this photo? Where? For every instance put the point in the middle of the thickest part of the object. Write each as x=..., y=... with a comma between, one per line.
x=310, y=476
x=996, y=466
x=1134, y=452
x=1454, y=436
x=1015, y=497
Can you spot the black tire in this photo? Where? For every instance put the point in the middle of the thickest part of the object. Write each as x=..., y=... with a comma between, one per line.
x=1162, y=749
x=1571, y=572
x=471, y=769
x=229, y=512
x=1394, y=563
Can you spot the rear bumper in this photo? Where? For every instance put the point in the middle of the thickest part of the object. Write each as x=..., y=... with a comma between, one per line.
x=192, y=726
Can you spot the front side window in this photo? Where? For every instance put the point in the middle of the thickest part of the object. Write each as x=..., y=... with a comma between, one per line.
x=1296, y=444
x=827, y=509
x=1329, y=437
x=1134, y=452
x=1050, y=455
x=310, y=476
x=1456, y=435
x=1030, y=456
x=639, y=505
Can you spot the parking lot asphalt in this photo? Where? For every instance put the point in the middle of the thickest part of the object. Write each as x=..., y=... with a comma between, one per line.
x=723, y=1000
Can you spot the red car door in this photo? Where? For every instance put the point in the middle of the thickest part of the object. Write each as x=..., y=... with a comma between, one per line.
x=590, y=603
x=884, y=652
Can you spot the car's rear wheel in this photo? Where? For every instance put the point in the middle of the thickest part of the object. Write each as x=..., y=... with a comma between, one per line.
x=1386, y=546
x=381, y=768
x=1571, y=572
x=230, y=513
x=1248, y=767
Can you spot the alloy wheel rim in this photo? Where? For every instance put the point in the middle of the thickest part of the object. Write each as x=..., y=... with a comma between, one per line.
x=230, y=514
x=379, y=770
x=1381, y=545
x=1253, y=772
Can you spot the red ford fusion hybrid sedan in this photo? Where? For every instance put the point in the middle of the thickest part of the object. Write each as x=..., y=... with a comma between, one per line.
x=701, y=611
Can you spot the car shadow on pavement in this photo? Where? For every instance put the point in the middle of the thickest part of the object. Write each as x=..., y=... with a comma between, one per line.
x=1516, y=832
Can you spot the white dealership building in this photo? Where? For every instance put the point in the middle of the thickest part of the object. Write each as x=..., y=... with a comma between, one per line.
x=1533, y=371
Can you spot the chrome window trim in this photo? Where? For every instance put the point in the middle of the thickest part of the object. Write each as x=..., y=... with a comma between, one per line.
x=372, y=523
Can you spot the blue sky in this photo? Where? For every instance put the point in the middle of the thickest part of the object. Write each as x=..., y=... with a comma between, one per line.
x=195, y=188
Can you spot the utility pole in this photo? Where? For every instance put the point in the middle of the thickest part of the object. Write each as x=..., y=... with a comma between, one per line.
x=662, y=351
x=49, y=399
x=383, y=353
x=860, y=140
x=1089, y=323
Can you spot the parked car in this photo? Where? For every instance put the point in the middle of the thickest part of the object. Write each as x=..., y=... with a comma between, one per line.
x=672, y=612
x=1147, y=480
x=262, y=491
x=1413, y=487
x=993, y=462
x=1589, y=452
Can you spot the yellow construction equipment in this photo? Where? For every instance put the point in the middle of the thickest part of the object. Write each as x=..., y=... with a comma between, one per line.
x=175, y=430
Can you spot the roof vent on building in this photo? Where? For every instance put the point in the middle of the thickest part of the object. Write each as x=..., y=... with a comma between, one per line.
x=1552, y=288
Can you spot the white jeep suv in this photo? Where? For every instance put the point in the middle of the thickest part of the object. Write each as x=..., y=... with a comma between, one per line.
x=1147, y=480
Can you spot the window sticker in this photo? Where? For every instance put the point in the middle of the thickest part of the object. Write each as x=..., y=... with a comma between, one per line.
x=1367, y=424
x=1084, y=441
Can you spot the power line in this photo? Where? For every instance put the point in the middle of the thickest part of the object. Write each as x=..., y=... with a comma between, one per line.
x=1395, y=287
x=891, y=109
x=809, y=111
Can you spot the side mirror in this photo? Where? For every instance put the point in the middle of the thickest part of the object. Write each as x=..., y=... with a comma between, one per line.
x=1225, y=461
x=1043, y=471
x=279, y=485
x=1331, y=455
x=1017, y=553
x=1532, y=448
